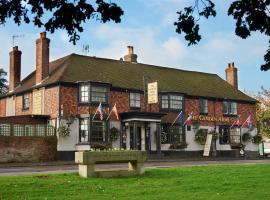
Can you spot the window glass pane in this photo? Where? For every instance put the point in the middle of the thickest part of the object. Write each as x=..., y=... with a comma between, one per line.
x=164, y=101
x=225, y=107
x=84, y=132
x=233, y=108
x=224, y=135
x=25, y=101
x=84, y=93
x=98, y=94
x=235, y=135
x=203, y=106
x=98, y=131
x=175, y=102
x=135, y=100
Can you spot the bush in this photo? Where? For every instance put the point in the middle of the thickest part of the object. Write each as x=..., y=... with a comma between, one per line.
x=246, y=137
x=101, y=146
x=63, y=131
x=178, y=145
x=201, y=135
x=257, y=139
x=114, y=134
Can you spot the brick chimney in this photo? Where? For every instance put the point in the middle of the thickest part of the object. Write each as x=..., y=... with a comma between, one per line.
x=130, y=57
x=231, y=75
x=14, y=68
x=42, y=57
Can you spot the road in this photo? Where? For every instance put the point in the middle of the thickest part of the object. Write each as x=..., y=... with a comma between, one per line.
x=32, y=169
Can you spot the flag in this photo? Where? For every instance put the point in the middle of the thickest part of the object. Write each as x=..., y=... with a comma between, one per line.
x=249, y=122
x=179, y=115
x=189, y=119
x=114, y=110
x=181, y=118
x=99, y=110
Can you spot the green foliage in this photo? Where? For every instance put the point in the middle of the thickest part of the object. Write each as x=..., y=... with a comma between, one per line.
x=249, y=15
x=101, y=146
x=201, y=135
x=178, y=145
x=114, y=134
x=59, y=14
x=3, y=82
x=246, y=137
x=63, y=131
x=257, y=139
x=247, y=182
x=163, y=137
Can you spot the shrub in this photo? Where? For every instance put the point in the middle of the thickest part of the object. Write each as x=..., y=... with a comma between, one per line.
x=114, y=134
x=246, y=137
x=257, y=139
x=178, y=145
x=101, y=146
x=63, y=131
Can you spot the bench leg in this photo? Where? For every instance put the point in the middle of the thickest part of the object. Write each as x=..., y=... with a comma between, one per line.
x=86, y=170
x=137, y=166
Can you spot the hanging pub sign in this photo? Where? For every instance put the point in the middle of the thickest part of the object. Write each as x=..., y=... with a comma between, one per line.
x=152, y=90
x=210, y=118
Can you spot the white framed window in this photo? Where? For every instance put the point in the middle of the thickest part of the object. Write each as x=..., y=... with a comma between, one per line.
x=203, y=106
x=25, y=101
x=84, y=130
x=98, y=94
x=93, y=93
x=135, y=100
x=172, y=101
x=84, y=93
x=229, y=108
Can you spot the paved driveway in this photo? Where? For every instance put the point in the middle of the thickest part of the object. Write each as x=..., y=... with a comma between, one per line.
x=49, y=168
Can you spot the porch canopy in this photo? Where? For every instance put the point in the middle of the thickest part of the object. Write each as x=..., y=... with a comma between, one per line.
x=142, y=116
x=146, y=117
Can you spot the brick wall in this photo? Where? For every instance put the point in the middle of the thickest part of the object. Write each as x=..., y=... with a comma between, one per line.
x=51, y=102
x=2, y=107
x=19, y=105
x=27, y=149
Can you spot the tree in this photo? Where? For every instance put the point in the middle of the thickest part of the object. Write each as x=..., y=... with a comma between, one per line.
x=263, y=111
x=3, y=82
x=59, y=14
x=249, y=16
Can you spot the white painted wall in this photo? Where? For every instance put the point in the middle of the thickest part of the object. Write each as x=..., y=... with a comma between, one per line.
x=68, y=143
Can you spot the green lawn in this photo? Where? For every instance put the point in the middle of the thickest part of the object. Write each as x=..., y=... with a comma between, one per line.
x=204, y=182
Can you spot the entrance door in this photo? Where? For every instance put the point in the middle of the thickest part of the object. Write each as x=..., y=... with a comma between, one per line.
x=139, y=138
x=135, y=137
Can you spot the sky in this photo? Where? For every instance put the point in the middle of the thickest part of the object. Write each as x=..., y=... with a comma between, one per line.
x=148, y=26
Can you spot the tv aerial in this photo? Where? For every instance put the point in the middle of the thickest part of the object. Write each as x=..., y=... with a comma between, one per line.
x=86, y=49
x=14, y=37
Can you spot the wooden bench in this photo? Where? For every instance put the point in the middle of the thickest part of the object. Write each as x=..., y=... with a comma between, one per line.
x=88, y=159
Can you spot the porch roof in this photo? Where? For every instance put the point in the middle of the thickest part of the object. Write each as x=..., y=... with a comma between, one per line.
x=142, y=116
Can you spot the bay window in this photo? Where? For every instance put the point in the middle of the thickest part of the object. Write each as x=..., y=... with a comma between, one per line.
x=92, y=131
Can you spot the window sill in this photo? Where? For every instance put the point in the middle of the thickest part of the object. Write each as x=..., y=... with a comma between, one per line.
x=203, y=113
x=230, y=115
x=25, y=109
x=93, y=104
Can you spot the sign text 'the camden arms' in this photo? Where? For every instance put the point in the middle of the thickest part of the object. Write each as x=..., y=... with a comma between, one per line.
x=210, y=118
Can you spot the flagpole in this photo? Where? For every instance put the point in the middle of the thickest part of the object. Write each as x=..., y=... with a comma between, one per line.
x=109, y=115
x=96, y=112
x=245, y=122
x=176, y=118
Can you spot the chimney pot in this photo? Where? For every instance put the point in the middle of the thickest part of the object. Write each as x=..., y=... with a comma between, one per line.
x=14, y=68
x=130, y=57
x=42, y=57
x=231, y=75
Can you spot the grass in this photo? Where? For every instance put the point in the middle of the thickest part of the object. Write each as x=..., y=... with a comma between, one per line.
x=200, y=182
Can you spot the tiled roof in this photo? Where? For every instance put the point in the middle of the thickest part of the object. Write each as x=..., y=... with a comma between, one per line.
x=74, y=68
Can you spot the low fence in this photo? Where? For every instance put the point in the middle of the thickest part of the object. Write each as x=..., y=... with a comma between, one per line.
x=41, y=130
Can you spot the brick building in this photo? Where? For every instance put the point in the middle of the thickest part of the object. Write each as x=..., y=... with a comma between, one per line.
x=67, y=92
